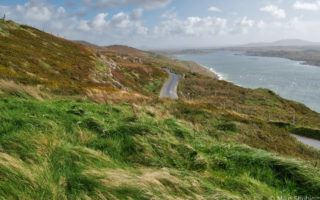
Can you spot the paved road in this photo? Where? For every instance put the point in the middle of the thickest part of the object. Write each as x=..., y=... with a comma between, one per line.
x=169, y=88
x=308, y=141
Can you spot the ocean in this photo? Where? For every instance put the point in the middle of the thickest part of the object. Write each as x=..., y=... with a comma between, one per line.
x=290, y=79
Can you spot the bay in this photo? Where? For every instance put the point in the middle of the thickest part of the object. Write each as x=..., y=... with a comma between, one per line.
x=290, y=79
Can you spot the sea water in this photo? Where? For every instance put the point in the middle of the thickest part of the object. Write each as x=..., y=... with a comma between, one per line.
x=290, y=79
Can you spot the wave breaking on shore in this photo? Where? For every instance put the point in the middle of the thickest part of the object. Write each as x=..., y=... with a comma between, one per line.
x=220, y=76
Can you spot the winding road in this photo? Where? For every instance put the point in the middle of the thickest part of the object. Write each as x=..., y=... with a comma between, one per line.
x=169, y=88
x=169, y=91
x=308, y=141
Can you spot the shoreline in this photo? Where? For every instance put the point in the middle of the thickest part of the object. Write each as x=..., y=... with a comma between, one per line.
x=300, y=60
x=217, y=75
x=225, y=77
x=200, y=68
x=220, y=76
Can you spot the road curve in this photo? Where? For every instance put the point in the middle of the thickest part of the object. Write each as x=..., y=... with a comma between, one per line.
x=308, y=141
x=169, y=88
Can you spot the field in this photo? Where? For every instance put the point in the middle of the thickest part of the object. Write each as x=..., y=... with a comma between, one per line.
x=85, y=122
x=64, y=149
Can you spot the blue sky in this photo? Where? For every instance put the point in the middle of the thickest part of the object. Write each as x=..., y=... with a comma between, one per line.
x=170, y=23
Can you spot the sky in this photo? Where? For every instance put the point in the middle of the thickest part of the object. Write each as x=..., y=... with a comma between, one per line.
x=166, y=24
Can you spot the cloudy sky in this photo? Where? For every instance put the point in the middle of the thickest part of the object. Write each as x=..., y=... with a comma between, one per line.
x=170, y=23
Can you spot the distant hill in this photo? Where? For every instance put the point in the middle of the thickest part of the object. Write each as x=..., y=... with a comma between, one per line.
x=288, y=42
x=122, y=49
x=85, y=43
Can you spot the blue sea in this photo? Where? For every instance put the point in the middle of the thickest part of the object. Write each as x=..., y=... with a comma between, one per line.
x=290, y=79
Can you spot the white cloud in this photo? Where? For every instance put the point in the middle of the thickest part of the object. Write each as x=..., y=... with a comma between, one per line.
x=61, y=10
x=242, y=25
x=148, y=4
x=191, y=26
x=121, y=20
x=214, y=9
x=169, y=14
x=36, y=12
x=136, y=14
x=274, y=11
x=296, y=27
x=246, y=22
x=99, y=22
x=120, y=24
x=261, y=24
x=309, y=6
x=102, y=28
x=129, y=22
x=84, y=26
x=171, y=31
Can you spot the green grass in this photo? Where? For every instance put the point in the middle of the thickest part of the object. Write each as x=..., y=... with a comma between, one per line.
x=49, y=60
x=29, y=56
x=218, y=141
x=64, y=149
x=286, y=174
x=154, y=87
x=305, y=131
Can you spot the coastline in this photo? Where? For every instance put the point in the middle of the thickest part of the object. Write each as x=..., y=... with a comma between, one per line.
x=200, y=68
x=300, y=60
x=219, y=75
x=288, y=94
x=214, y=73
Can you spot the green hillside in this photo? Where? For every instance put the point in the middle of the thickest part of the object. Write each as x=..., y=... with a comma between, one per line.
x=85, y=122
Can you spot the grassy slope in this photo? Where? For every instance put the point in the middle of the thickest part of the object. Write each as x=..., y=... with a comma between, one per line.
x=133, y=69
x=31, y=57
x=65, y=147
x=250, y=105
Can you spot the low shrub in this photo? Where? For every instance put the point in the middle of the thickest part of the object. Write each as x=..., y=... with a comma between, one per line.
x=227, y=126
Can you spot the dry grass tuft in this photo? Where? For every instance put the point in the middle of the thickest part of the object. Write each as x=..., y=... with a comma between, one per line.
x=12, y=87
x=9, y=163
x=103, y=96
